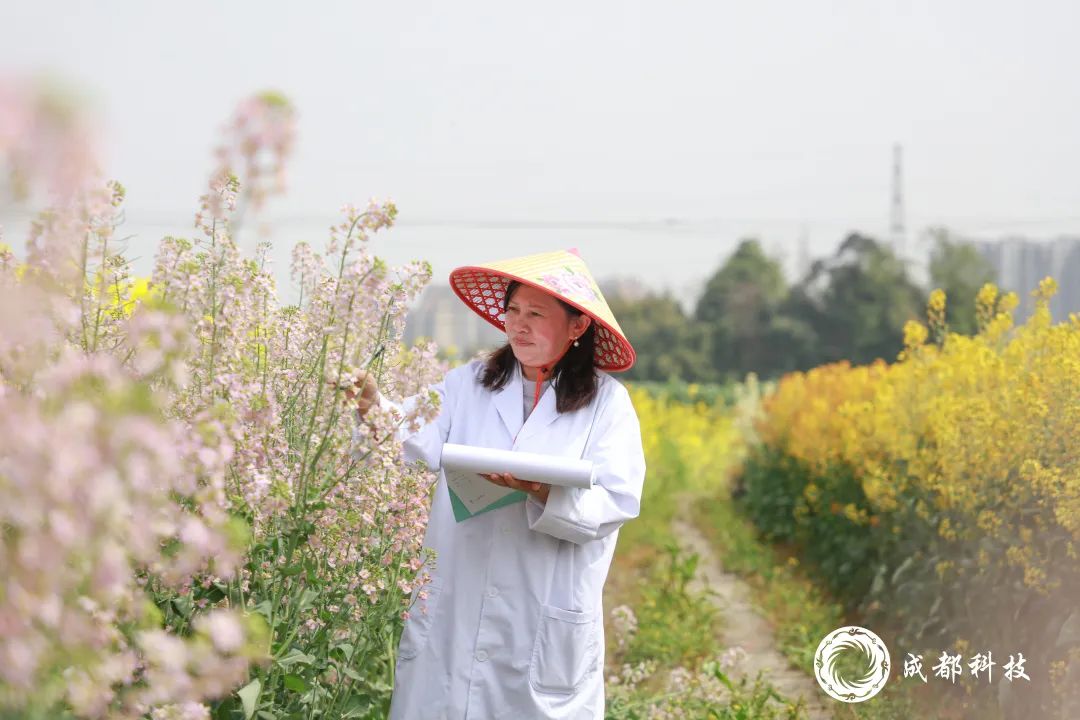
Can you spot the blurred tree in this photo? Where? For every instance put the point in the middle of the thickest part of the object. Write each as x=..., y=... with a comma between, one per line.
x=851, y=306
x=856, y=303
x=793, y=343
x=957, y=268
x=668, y=345
x=737, y=310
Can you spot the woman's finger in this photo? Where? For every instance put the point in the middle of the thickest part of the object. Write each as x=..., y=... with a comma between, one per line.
x=525, y=485
x=509, y=481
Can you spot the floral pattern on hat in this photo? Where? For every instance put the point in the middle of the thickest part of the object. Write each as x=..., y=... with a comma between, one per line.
x=572, y=284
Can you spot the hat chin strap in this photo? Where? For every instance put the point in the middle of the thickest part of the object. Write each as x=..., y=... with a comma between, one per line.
x=547, y=368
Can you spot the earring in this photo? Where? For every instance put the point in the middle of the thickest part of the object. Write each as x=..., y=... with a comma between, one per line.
x=576, y=343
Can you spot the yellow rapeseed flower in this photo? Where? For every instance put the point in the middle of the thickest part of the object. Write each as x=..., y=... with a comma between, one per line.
x=976, y=434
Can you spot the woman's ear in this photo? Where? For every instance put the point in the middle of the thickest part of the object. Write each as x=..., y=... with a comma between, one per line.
x=581, y=324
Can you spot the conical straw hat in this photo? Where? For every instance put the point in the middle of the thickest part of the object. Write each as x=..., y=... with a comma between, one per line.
x=561, y=273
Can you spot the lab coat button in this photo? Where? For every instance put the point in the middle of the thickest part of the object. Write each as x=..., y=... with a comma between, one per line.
x=481, y=655
x=493, y=592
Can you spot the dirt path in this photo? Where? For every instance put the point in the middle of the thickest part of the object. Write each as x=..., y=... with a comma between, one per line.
x=743, y=626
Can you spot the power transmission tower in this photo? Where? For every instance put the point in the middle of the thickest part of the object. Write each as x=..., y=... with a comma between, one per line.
x=897, y=232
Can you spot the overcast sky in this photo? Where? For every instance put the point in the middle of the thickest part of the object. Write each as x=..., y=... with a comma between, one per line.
x=591, y=124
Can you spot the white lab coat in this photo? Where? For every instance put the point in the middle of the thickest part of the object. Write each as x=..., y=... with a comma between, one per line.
x=513, y=623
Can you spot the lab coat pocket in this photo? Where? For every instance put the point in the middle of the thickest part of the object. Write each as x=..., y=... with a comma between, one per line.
x=421, y=617
x=565, y=651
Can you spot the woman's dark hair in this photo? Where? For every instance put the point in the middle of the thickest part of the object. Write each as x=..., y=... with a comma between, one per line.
x=573, y=377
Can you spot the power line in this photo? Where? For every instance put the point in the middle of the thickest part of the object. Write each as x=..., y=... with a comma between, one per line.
x=672, y=224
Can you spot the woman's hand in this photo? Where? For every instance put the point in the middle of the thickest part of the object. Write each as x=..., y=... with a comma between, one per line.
x=538, y=490
x=365, y=390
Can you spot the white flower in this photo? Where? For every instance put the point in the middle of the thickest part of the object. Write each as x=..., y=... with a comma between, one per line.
x=224, y=630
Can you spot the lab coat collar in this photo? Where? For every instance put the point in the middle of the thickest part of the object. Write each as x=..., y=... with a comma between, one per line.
x=508, y=403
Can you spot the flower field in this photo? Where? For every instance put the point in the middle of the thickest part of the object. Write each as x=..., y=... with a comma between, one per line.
x=939, y=496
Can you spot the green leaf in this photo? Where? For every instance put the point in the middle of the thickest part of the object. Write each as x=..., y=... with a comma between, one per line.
x=249, y=695
x=183, y=606
x=265, y=609
x=307, y=598
x=347, y=650
x=295, y=683
x=295, y=657
x=357, y=707
x=214, y=594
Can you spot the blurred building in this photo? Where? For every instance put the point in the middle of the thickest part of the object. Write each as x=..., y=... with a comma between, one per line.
x=1021, y=263
x=623, y=288
x=441, y=316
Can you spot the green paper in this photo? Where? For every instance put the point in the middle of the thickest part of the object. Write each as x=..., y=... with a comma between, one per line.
x=462, y=513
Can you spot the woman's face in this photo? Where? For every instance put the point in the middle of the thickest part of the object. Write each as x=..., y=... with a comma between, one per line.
x=538, y=327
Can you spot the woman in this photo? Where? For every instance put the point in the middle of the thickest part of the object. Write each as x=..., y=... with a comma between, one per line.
x=512, y=626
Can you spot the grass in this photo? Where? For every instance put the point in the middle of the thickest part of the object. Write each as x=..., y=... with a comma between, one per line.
x=650, y=575
x=678, y=628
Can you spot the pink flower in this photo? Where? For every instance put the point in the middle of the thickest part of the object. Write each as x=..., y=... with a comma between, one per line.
x=179, y=432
